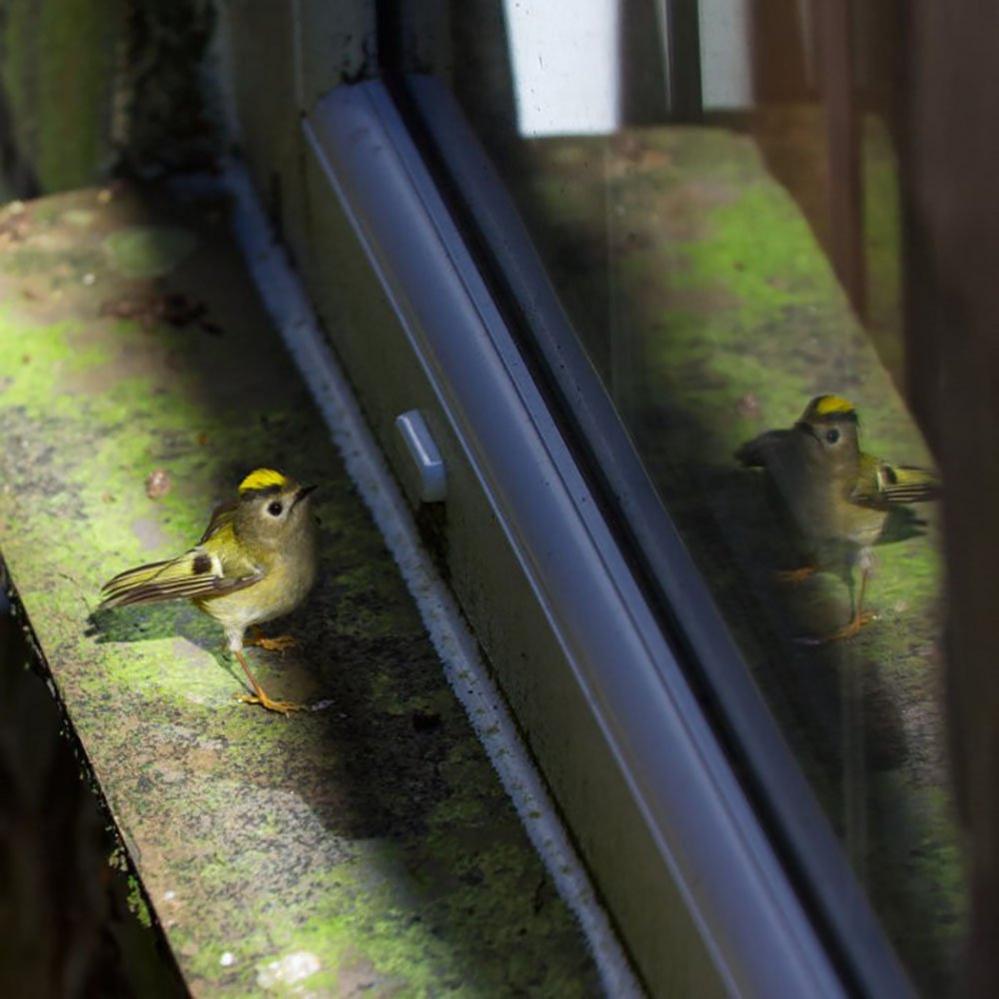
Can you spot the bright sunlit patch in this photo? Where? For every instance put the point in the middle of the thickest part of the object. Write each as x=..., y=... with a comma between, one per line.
x=288, y=970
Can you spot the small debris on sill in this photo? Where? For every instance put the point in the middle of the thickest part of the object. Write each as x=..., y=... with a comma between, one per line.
x=158, y=483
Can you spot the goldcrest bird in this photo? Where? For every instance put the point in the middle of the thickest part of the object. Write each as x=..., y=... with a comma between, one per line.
x=834, y=493
x=255, y=562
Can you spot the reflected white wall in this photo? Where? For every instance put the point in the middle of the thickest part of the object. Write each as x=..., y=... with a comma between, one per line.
x=726, y=58
x=566, y=65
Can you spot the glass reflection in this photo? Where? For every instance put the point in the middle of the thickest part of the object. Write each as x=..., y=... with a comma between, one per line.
x=714, y=189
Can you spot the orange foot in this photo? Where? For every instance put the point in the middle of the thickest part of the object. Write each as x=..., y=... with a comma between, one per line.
x=279, y=643
x=795, y=576
x=851, y=628
x=281, y=707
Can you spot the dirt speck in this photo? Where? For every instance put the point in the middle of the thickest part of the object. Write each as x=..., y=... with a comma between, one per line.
x=158, y=483
x=748, y=405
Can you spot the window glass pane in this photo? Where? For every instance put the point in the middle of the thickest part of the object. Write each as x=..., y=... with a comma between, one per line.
x=714, y=189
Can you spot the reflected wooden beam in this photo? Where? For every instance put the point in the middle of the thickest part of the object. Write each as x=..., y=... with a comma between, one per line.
x=953, y=346
x=834, y=23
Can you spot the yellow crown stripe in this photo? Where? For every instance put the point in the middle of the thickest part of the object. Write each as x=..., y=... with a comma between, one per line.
x=263, y=478
x=828, y=404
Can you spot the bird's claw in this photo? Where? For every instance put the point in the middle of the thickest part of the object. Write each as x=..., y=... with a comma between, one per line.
x=277, y=643
x=281, y=707
x=851, y=628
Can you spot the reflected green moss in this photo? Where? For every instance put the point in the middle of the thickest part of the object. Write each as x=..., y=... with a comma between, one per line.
x=712, y=314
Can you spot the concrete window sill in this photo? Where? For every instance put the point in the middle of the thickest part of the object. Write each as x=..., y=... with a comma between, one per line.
x=363, y=845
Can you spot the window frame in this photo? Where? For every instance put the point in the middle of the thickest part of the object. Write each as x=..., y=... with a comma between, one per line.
x=646, y=532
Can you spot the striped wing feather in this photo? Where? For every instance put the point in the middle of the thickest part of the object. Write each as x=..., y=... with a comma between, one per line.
x=207, y=570
x=882, y=483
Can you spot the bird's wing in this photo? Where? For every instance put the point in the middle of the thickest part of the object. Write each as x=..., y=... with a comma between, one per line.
x=203, y=571
x=222, y=515
x=881, y=483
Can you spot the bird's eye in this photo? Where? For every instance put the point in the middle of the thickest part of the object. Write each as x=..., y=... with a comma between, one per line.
x=275, y=509
x=832, y=435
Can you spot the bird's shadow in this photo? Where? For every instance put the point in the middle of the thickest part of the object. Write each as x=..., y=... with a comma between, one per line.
x=179, y=619
x=159, y=621
x=903, y=523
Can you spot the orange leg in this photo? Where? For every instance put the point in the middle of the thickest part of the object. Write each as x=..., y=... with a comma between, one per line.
x=279, y=643
x=853, y=626
x=259, y=695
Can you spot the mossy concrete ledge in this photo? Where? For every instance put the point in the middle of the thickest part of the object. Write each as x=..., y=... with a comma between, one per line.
x=364, y=846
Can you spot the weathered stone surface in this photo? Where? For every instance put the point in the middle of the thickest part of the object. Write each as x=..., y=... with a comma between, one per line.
x=362, y=846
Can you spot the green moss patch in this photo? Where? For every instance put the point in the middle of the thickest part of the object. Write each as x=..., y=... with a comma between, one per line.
x=363, y=847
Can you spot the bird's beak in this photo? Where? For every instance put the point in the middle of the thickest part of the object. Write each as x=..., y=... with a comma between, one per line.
x=301, y=494
x=807, y=428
